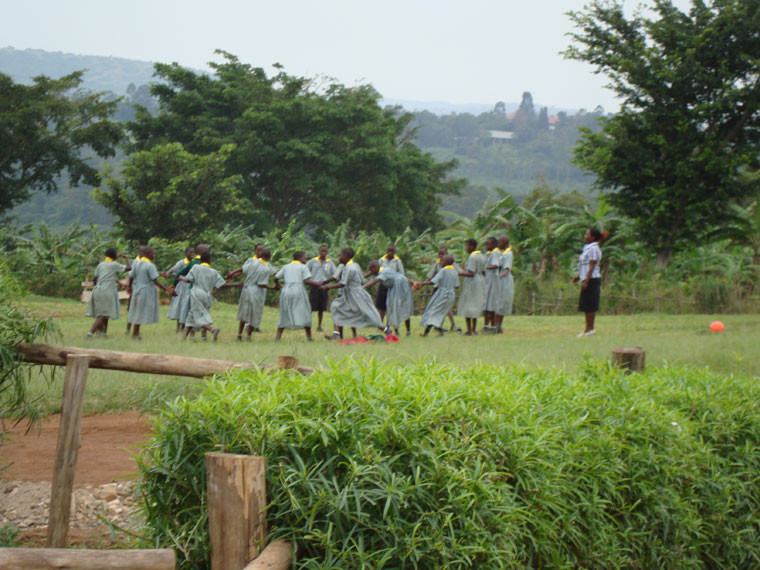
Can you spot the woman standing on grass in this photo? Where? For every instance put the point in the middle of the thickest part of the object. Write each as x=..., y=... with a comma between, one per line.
x=142, y=281
x=590, y=278
x=104, y=302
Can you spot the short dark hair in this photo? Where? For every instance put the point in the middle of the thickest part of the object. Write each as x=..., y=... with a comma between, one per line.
x=349, y=252
x=299, y=255
x=111, y=252
x=206, y=256
x=266, y=253
x=473, y=242
x=595, y=233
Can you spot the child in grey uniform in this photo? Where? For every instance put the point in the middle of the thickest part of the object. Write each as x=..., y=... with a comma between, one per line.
x=446, y=280
x=143, y=280
x=472, y=300
x=104, y=302
x=295, y=310
x=399, y=301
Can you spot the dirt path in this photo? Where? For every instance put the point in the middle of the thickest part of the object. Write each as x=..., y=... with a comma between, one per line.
x=102, y=484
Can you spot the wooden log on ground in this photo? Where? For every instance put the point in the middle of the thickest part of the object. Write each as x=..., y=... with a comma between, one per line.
x=56, y=558
x=67, y=450
x=629, y=358
x=171, y=364
x=278, y=555
x=287, y=362
x=236, y=498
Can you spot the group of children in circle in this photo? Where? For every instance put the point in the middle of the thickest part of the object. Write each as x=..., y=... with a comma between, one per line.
x=487, y=289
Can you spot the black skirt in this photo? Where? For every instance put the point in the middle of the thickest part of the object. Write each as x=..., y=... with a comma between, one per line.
x=318, y=299
x=589, y=301
x=381, y=302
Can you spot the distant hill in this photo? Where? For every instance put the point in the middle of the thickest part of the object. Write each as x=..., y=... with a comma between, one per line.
x=112, y=74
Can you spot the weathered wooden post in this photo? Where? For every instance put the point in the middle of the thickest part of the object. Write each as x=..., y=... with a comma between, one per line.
x=57, y=558
x=67, y=450
x=629, y=358
x=236, y=496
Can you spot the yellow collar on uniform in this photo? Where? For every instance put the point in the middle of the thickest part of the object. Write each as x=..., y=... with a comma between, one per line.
x=255, y=258
x=263, y=261
x=438, y=260
x=379, y=270
x=496, y=249
x=186, y=260
x=508, y=249
x=476, y=251
x=146, y=260
x=448, y=267
x=327, y=259
x=197, y=257
x=204, y=264
x=395, y=257
x=349, y=262
x=295, y=261
x=110, y=259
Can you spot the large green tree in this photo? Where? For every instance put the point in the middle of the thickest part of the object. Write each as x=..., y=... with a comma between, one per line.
x=689, y=122
x=321, y=153
x=49, y=127
x=171, y=193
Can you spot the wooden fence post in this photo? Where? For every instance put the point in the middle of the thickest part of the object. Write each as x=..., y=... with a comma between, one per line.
x=67, y=449
x=57, y=558
x=629, y=358
x=236, y=496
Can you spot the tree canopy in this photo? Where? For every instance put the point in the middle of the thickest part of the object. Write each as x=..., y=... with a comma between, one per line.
x=47, y=128
x=689, y=121
x=320, y=153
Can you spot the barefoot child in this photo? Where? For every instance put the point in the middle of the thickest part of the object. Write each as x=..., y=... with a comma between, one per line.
x=353, y=307
x=445, y=282
x=181, y=289
x=473, y=297
x=390, y=261
x=322, y=269
x=253, y=296
x=204, y=280
x=442, y=251
x=295, y=311
x=143, y=280
x=399, y=301
x=104, y=302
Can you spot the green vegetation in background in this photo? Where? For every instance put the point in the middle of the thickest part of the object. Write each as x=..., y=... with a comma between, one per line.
x=440, y=466
x=674, y=157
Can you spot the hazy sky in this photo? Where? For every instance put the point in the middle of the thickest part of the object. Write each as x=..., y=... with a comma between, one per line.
x=475, y=51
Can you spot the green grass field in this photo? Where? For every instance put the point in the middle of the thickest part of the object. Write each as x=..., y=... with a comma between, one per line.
x=547, y=342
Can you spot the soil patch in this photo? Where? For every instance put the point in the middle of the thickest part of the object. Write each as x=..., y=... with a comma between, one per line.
x=103, y=484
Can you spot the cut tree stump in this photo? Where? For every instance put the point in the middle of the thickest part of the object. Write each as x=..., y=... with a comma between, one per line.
x=629, y=358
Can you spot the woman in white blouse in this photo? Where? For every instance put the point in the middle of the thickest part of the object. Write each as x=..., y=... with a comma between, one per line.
x=590, y=278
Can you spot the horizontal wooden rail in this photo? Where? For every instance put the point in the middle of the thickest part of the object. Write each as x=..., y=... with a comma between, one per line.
x=278, y=555
x=170, y=364
x=55, y=558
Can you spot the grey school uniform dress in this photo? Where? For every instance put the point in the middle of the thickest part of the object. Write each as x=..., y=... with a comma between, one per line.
x=492, y=282
x=181, y=289
x=445, y=281
x=353, y=307
x=295, y=310
x=472, y=299
x=204, y=279
x=399, y=302
x=396, y=265
x=104, y=301
x=253, y=297
x=143, y=308
x=507, y=284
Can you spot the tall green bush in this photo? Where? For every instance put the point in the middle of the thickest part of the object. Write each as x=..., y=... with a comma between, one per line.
x=434, y=466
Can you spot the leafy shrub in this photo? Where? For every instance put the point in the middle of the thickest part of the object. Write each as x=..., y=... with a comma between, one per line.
x=433, y=466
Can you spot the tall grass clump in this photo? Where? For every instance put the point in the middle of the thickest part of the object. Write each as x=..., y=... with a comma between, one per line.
x=438, y=466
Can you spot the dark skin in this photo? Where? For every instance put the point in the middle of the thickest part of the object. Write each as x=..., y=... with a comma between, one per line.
x=390, y=253
x=150, y=254
x=472, y=323
x=322, y=259
x=140, y=253
x=343, y=258
x=302, y=259
x=489, y=316
x=590, y=317
x=374, y=269
x=101, y=323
